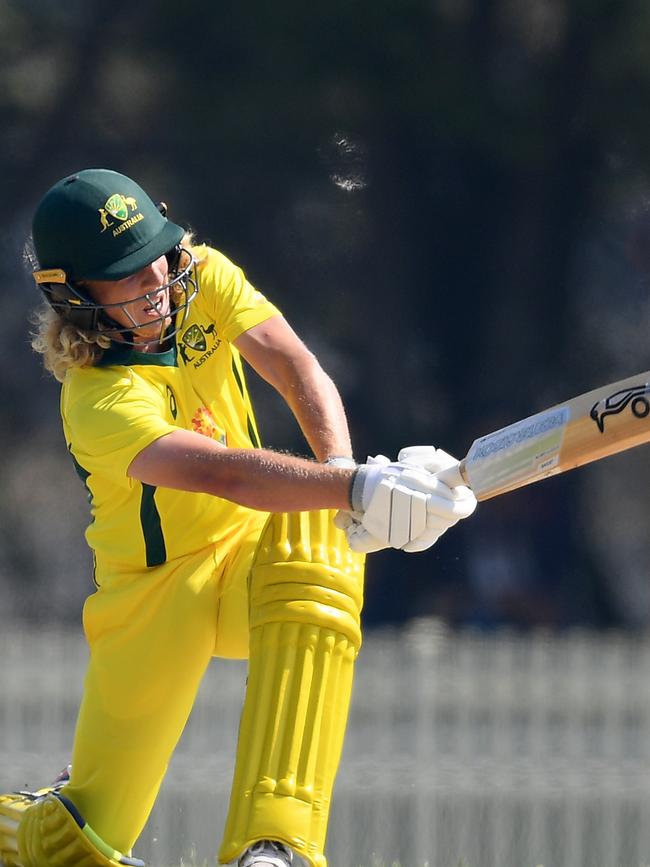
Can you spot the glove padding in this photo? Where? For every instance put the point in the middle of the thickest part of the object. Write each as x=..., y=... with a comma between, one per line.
x=359, y=539
x=402, y=505
x=434, y=461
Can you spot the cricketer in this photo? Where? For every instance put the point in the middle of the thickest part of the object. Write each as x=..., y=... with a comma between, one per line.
x=204, y=543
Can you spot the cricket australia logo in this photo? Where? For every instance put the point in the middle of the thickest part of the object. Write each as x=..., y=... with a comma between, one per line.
x=199, y=340
x=120, y=208
x=634, y=397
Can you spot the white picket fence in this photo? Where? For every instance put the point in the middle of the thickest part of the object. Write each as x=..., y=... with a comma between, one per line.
x=490, y=750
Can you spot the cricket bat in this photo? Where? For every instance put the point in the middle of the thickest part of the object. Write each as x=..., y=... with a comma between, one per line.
x=588, y=427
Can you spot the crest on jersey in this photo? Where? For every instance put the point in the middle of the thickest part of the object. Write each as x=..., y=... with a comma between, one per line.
x=198, y=339
x=195, y=339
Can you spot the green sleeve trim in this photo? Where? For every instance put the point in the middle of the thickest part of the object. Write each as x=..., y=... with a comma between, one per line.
x=252, y=433
x=84, y=475
x=238, y=379
x=154, y=541
x=82, y=472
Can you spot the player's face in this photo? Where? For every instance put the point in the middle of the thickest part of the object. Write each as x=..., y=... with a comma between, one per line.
x=141, y=304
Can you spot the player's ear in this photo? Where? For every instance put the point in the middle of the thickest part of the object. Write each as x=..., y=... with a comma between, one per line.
x=162, y=207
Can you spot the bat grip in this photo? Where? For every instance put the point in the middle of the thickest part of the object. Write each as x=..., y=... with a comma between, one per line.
x=453, y=476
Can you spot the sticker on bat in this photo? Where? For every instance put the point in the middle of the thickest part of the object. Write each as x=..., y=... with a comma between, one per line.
x=634, y=397
x=518, y=451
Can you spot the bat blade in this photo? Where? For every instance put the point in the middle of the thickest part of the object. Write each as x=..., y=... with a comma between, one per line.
x=586, y=428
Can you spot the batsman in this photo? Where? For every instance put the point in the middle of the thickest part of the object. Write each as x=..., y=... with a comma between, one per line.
x=204, y=543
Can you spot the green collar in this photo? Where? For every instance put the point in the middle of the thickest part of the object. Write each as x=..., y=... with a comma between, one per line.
x=122, y=355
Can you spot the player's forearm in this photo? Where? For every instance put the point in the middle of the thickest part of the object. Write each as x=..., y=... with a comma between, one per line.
x=316, y=404
x=273, y=482
x=278, y=355
x=256, y=478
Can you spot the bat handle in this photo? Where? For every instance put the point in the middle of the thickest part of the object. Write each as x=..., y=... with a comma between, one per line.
x=453, y=476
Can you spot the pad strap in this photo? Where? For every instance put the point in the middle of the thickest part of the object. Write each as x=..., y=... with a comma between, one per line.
x=52, y=833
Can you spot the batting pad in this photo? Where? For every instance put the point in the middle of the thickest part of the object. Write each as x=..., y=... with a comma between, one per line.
x=51, y=833
x=306, y=589
x=12, y=808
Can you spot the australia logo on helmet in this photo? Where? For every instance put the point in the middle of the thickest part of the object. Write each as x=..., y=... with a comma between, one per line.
x=120, y=208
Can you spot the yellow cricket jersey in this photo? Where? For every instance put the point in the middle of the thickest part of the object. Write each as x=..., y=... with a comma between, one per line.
x=113, y=410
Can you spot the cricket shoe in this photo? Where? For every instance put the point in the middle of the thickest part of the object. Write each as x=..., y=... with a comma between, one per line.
x=266, y=853
x=12, y=807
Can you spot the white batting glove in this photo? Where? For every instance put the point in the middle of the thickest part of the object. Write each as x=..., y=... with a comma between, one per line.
x=399, y=505
x=427, y=457
x=359, y=539
x=434, y=460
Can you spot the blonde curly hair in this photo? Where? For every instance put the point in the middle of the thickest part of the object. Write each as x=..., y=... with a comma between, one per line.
x=64, y=345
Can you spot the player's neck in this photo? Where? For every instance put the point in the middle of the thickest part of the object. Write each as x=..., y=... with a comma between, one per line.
x=148, y=347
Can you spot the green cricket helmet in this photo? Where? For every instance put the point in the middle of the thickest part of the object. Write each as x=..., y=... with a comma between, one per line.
x=100, y=225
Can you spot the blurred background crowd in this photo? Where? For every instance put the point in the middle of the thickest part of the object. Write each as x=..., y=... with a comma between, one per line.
x=448, y=199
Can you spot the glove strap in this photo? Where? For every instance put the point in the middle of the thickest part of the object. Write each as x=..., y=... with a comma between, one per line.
x=356, y=491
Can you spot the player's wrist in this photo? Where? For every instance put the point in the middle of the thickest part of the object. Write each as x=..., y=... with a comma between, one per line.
x=344, y=462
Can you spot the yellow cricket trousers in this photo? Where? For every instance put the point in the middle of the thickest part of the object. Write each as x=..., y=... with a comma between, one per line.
x=293, y=591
